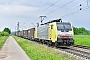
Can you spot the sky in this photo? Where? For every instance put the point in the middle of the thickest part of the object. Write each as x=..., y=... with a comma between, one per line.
x=28, y=12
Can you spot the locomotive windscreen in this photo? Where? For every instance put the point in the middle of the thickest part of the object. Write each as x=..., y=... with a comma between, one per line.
x=64, y=27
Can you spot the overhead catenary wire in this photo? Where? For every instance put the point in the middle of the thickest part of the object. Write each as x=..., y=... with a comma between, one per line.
x=74, y=12
x=57, y=8
x=37, y=11
x=64, y=6
x=48, y=7
x=60, y=7
x=72, y=8
x=43, y=9
x=52, y=5
x=40, y=9
x=85, y=8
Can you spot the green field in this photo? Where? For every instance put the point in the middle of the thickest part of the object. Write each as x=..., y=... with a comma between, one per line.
x=83, y=40
x=2, y=40
x=39, y=52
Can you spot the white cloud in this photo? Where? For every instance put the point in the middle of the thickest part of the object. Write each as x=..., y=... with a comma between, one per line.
x=16, y=9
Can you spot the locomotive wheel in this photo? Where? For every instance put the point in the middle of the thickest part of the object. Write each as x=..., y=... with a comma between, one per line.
x=56, y=44
x=53, y=44
x=42, y=41
x=49, y=43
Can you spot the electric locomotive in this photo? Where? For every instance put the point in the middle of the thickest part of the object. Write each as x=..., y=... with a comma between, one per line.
x=56, y=33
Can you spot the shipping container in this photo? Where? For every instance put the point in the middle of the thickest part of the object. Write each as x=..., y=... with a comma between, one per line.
x=25, y=33
x=31, y=33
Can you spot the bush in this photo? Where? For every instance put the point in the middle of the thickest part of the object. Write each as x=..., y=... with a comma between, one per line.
x=0, y=34
x=4, y=34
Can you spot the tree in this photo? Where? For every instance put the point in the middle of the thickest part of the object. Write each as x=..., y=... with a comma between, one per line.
x=4, y=34
x=80, y=31
x=7, y=30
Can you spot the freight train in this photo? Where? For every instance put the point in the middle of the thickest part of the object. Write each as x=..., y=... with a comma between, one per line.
x=55, y=33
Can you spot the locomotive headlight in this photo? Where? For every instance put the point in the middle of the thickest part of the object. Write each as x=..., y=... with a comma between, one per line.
x=70, y=36
x=59, y=36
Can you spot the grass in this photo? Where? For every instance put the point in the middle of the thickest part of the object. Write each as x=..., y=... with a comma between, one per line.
x=36, y=52
x=2, y=40
x=83, y=40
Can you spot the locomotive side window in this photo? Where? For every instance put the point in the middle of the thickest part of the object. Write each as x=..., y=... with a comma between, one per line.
x=51, y=26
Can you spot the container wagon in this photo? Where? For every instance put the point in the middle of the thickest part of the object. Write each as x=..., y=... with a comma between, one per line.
x=25, y=34
x=31, y=33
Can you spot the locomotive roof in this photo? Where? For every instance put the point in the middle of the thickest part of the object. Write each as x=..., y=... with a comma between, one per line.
x=58, y=20
x=62, y=22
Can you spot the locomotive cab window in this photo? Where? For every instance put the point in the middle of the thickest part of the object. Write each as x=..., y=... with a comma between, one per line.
x=64, y=26
x=68, y=26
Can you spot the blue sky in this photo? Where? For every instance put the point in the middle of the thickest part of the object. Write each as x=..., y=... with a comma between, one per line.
x=28, y=12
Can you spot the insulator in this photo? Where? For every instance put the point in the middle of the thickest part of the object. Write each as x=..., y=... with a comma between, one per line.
x=80, y=8
x=80, y=5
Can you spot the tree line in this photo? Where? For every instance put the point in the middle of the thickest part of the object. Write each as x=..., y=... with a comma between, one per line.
x=77, y=31
x=80, y=31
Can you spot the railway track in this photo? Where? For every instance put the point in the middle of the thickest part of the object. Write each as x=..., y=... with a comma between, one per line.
x=84, y=47
x=74, y=50
x=78, y=52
